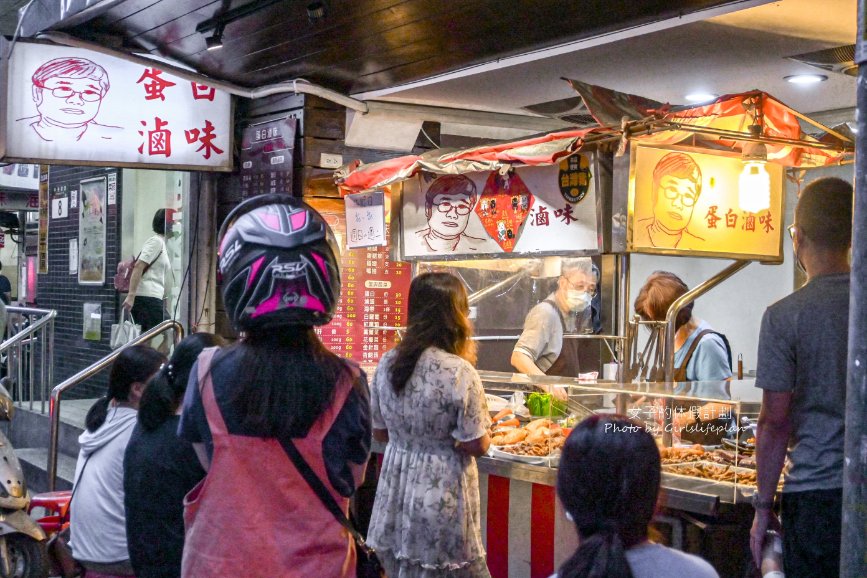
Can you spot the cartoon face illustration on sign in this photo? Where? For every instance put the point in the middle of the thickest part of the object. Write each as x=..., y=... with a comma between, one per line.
x=501, y=230
x=675, y=191
x=68, y=93
x=449, y=201
x=485, y=207
x=525, y=202
x=515, y=203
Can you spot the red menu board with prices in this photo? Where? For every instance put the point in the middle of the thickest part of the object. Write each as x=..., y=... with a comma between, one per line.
x=374, y=294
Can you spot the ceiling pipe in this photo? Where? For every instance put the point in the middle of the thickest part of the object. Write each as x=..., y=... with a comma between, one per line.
x=293, y=86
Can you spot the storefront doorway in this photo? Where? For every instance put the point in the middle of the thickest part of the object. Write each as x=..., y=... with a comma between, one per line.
x=144, y=193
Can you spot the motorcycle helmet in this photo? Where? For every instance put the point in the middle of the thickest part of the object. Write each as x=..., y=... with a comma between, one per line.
x=277, y=262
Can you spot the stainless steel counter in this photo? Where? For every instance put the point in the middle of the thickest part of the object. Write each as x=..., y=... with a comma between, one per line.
x=693, y=495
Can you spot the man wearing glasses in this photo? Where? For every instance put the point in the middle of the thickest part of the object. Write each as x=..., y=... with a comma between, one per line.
x=68, y=93
x=541, y=349
x=675, y=191
x=448, y=204
x=803, y=356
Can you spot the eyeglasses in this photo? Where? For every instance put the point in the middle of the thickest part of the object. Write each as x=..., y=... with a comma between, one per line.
x=64, y=92
x=687, y=199
x=460, y=209
x=589, y=287
x=791, y=229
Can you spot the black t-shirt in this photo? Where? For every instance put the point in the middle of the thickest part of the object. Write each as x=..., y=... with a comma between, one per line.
x=159, y=469
x=347, y=442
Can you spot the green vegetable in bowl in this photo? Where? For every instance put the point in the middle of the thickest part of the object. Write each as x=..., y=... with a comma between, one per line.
x=544, y=405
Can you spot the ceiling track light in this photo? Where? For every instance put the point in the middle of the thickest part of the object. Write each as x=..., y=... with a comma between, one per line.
x=316, y=11
x=805, y=78
x=215, y=41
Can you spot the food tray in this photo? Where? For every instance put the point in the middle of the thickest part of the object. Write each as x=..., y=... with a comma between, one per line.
x=679, y=469
x=495, y=402
x=551, y=460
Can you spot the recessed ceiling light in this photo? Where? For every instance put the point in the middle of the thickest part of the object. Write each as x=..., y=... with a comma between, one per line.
x=700, y=97
x=805, y=78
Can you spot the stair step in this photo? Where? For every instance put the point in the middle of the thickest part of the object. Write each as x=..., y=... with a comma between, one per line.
x=34, y=462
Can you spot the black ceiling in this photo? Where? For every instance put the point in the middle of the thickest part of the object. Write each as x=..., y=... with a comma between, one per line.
x=364, y=45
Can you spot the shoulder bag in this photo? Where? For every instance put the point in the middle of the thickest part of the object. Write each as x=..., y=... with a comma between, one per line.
x=59, y=552
x=367, y=565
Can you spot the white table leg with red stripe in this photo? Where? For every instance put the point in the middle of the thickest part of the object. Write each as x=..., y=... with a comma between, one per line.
x=525, y=531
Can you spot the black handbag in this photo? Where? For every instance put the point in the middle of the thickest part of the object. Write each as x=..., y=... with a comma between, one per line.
x=367, y=565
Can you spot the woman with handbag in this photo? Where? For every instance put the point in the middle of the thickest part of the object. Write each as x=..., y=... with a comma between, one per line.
x=145, y=301
x=154, y=520
x=282, y=424
x=428, y=404
x=97, y=519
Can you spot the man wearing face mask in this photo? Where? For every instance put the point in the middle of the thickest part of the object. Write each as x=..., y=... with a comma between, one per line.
x=541, y=349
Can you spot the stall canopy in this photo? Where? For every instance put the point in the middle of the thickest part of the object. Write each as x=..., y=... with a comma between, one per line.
x=545, y=149
x=721, y=125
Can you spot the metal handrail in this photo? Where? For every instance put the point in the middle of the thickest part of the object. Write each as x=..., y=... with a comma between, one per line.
x=86, y=373
x=27, y=338
x=49, y=315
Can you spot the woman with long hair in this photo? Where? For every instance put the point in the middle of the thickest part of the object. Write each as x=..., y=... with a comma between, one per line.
x=608, y=483
x=154, y=519
x=428, y=404
x=277, y=391
x=97, y=518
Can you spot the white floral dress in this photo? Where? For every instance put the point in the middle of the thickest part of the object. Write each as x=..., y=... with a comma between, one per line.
x=425, y=520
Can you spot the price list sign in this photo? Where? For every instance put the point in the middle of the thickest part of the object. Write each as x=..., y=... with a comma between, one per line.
x=374, y=295
x=267, y=153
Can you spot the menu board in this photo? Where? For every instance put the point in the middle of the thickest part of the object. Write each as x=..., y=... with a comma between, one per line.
x=374, y=294
x=267, y=153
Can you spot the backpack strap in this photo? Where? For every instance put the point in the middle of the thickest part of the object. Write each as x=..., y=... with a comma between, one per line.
x=694, y=345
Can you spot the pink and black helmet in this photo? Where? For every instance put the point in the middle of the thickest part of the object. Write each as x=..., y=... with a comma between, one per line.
x=278, y=264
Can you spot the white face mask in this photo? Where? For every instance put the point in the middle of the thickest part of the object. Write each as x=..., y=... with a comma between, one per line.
x=578, y=301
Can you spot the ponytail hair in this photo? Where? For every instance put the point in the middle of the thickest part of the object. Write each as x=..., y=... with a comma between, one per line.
x=135, y=364
x=608, y=482
x=166, y=389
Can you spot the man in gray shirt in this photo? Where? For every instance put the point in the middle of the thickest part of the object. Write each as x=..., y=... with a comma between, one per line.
x=803, y=349
x=541, y=349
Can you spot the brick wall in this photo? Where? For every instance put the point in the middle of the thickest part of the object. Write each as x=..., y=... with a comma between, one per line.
x=60, y=290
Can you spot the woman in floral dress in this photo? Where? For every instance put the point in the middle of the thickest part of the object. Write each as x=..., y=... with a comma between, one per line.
x=428, y=404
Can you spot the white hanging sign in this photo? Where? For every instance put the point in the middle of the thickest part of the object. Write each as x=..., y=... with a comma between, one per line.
x=70, y=105
x=365, y=219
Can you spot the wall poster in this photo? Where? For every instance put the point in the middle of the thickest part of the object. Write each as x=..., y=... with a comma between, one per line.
x=685, y=202
x=91, y=232
x=527, y=211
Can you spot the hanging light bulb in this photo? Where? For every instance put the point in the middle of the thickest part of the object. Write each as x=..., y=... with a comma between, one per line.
x=754, y=184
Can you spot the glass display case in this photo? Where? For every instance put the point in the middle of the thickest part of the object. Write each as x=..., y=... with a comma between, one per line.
x=706, y=436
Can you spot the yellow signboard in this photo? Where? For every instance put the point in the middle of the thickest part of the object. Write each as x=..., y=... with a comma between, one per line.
x=684, y=202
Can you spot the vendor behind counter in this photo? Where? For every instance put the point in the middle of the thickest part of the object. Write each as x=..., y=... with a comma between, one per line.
x=542, y=349
x=500, y=318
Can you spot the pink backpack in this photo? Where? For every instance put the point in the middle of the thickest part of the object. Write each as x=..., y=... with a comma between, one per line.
x=124, y=272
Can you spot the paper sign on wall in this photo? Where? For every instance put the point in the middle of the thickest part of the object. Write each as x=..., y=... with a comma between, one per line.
x=73, y=256
x=68, y=105
x=365, y=219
